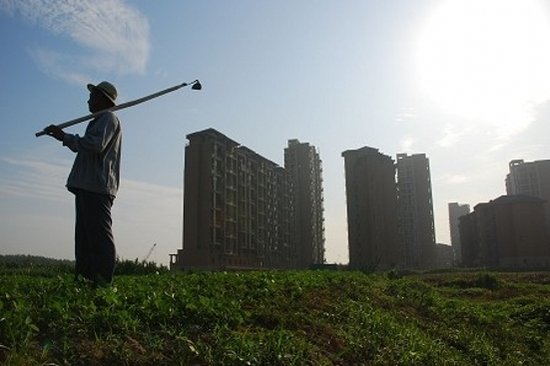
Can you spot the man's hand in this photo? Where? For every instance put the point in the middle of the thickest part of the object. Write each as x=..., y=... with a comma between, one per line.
x=55, y=132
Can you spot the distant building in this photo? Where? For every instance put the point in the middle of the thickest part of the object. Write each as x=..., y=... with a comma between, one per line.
x=303, y=164
x=415, y=208
x=238, y=208
x=469, y=242
x=371, y=210
x=508, y=232
x=444, y=256
x=531, y=179
x=456, y=210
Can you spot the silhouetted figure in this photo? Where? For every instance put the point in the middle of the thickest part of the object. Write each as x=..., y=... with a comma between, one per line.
x=94, y=180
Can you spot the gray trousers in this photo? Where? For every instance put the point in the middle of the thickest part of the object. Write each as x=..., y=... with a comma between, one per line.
x=94, y=242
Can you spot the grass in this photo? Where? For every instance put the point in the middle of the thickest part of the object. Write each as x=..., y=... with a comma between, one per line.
x=278, y=318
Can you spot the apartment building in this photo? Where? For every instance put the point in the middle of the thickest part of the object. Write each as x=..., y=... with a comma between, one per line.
x=371, y=197
x=238, y=208
x=508, y=232
x=456, y=210
x=444, y=256
x=415, y=210
x=303, y=164
x=531, y=179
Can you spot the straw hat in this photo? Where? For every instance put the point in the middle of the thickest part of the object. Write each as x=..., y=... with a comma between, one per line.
x=106, y=88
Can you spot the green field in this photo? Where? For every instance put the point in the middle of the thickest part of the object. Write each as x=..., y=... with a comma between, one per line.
x=277, y=318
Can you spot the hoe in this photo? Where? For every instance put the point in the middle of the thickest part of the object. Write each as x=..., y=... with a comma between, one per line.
x=195, y=85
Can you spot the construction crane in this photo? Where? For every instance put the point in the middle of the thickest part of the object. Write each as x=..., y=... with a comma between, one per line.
x=149, y=253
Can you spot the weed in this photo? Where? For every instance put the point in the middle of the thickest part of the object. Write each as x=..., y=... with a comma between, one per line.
x=277, y=318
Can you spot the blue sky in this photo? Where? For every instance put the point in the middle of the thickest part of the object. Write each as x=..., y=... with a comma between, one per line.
x=466, y=82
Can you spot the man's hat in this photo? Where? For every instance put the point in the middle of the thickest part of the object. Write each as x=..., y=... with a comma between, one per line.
x=106, y=88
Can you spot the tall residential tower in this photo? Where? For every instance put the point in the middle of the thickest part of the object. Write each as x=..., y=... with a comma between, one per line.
x=415, y=207
x=371, y=210
x=303, y=164
x=531, y=179
x=238, y=208
x=456, y=211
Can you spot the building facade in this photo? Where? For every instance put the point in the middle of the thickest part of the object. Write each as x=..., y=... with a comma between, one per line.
x=444, y=255
x=303, y=164
x=415, y=208
x=238, y=208
x=531, y=179
x=508, y=232
x=469, y=243
x=371, y=197
x=456, y=210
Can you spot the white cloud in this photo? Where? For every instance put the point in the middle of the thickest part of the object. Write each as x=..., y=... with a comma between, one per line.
x=407, y=144
x=115, y=35
x=59, y=65
x=33, y=179
x=143, y=214
x=145, y=203
x=453, y=179
x=457, y=179
x=406, y=115
x=451, y=137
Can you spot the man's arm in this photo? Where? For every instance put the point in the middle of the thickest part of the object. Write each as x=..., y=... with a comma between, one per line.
x=58, y=134
x=96, y=138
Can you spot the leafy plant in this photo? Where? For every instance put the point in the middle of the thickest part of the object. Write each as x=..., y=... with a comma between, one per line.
x=277, y=318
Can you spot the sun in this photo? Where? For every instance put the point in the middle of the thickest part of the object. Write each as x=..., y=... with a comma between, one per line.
x=486, y=61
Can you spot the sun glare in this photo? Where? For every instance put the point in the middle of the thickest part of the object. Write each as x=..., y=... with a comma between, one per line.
x=486, y=61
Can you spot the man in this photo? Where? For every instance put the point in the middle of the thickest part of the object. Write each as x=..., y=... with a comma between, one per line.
x=94, y=180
